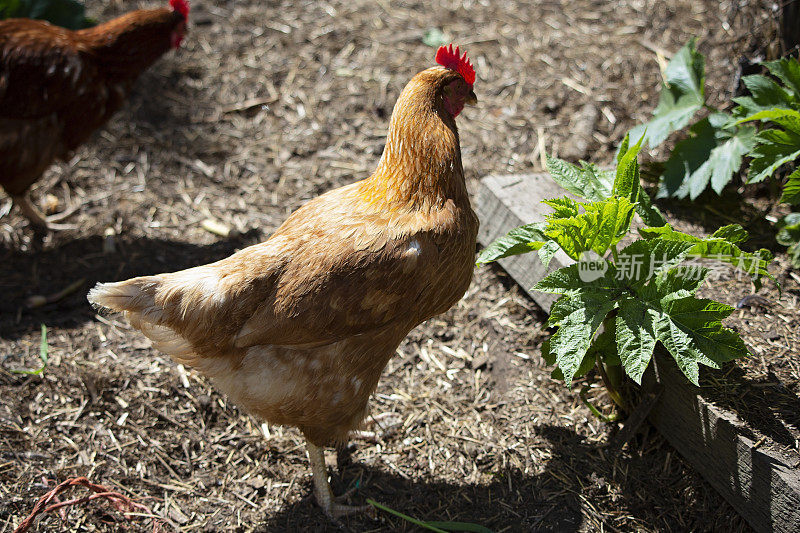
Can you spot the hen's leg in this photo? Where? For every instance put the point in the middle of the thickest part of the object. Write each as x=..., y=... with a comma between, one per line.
x=322, y=489
x=36, y=219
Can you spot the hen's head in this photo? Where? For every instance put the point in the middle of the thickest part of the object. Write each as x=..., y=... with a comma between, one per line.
x=180, y=8
x=454, y=81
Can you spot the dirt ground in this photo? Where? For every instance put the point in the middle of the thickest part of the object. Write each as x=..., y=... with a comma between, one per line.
x=267, y=105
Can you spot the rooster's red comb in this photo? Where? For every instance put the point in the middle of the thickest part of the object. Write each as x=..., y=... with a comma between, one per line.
x=450, y=58
x=181, y=6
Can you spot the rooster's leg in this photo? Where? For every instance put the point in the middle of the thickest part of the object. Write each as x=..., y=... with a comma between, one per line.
x=36, y=219
x=322, y=489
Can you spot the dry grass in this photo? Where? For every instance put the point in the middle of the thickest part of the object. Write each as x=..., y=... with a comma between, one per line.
x=268, y=105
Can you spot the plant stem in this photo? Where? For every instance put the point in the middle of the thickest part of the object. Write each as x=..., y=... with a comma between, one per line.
x=613, y=391
x=613, y=417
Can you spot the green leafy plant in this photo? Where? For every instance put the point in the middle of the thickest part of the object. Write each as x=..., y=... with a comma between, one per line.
x=715, y=146
x=65, y=13
x=777, y=105
x=615, y=304
x=43, y=351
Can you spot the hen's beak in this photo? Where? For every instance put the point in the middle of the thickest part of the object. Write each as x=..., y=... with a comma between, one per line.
x=471, y=98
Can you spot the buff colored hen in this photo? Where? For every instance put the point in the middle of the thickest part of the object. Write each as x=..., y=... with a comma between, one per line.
x=298, y=329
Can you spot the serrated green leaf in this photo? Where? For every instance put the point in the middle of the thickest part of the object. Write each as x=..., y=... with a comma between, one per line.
x=569, y=280
x=711, y=154
x=601, y=225
x=775, y=148
x=791, y=190
x=681, y=281
x=581, y=315
x=679, y=344
x=643, y=259
x=561, y=281
x=517, y=241
x=786, y=118
x=626, y=181
x=648, y=212
x=623, y=146
x=563, y=207
x=732, y=233
x=765, y=93
x=788, y=70
x=664, y=310
x=588, y=181
x=547, y=251
x=687, y=156
x=719, y=249
x=701, y=319
x=586, y=365
x=686, y=70
x=636, y=336
x=682, y=95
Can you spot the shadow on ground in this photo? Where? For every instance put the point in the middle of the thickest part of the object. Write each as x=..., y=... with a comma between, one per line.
x=558, y=498
x=513, y=501
x=48, y=271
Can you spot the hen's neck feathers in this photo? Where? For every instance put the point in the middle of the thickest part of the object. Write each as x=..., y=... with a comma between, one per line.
x=128, y=44
x=420, y=167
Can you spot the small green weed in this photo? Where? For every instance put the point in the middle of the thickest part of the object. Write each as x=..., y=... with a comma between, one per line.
x=43, y=350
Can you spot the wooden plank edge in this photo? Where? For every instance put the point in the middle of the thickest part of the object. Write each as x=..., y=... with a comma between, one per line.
x=760, y=485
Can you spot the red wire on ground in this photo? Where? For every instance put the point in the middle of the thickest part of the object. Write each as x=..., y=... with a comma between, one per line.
x=121, y=503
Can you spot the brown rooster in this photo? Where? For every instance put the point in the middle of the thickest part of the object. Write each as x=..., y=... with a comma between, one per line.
x=298, y=329
x=57, y=86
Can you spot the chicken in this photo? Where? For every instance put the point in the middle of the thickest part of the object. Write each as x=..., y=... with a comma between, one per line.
x=298, y=329
x=57, y=86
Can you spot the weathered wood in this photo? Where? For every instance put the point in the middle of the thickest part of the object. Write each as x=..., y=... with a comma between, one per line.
x=760, y=485
x=507, y=201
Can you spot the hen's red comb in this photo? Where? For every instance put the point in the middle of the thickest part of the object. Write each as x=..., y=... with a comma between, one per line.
x=181, y=6
x=449, y=58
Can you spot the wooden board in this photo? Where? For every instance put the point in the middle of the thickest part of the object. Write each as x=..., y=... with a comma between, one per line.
x=505, y=202
x=760, y=485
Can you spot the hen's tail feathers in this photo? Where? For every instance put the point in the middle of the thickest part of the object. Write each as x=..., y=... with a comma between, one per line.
x=136, y=298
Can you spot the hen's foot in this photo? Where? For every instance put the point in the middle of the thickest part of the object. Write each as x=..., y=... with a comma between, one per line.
x=383, y=425
x=39, y=222
x=322, y=489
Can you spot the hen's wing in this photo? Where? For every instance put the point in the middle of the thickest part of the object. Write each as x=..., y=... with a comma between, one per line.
x=41, y=69
x=331, y=271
